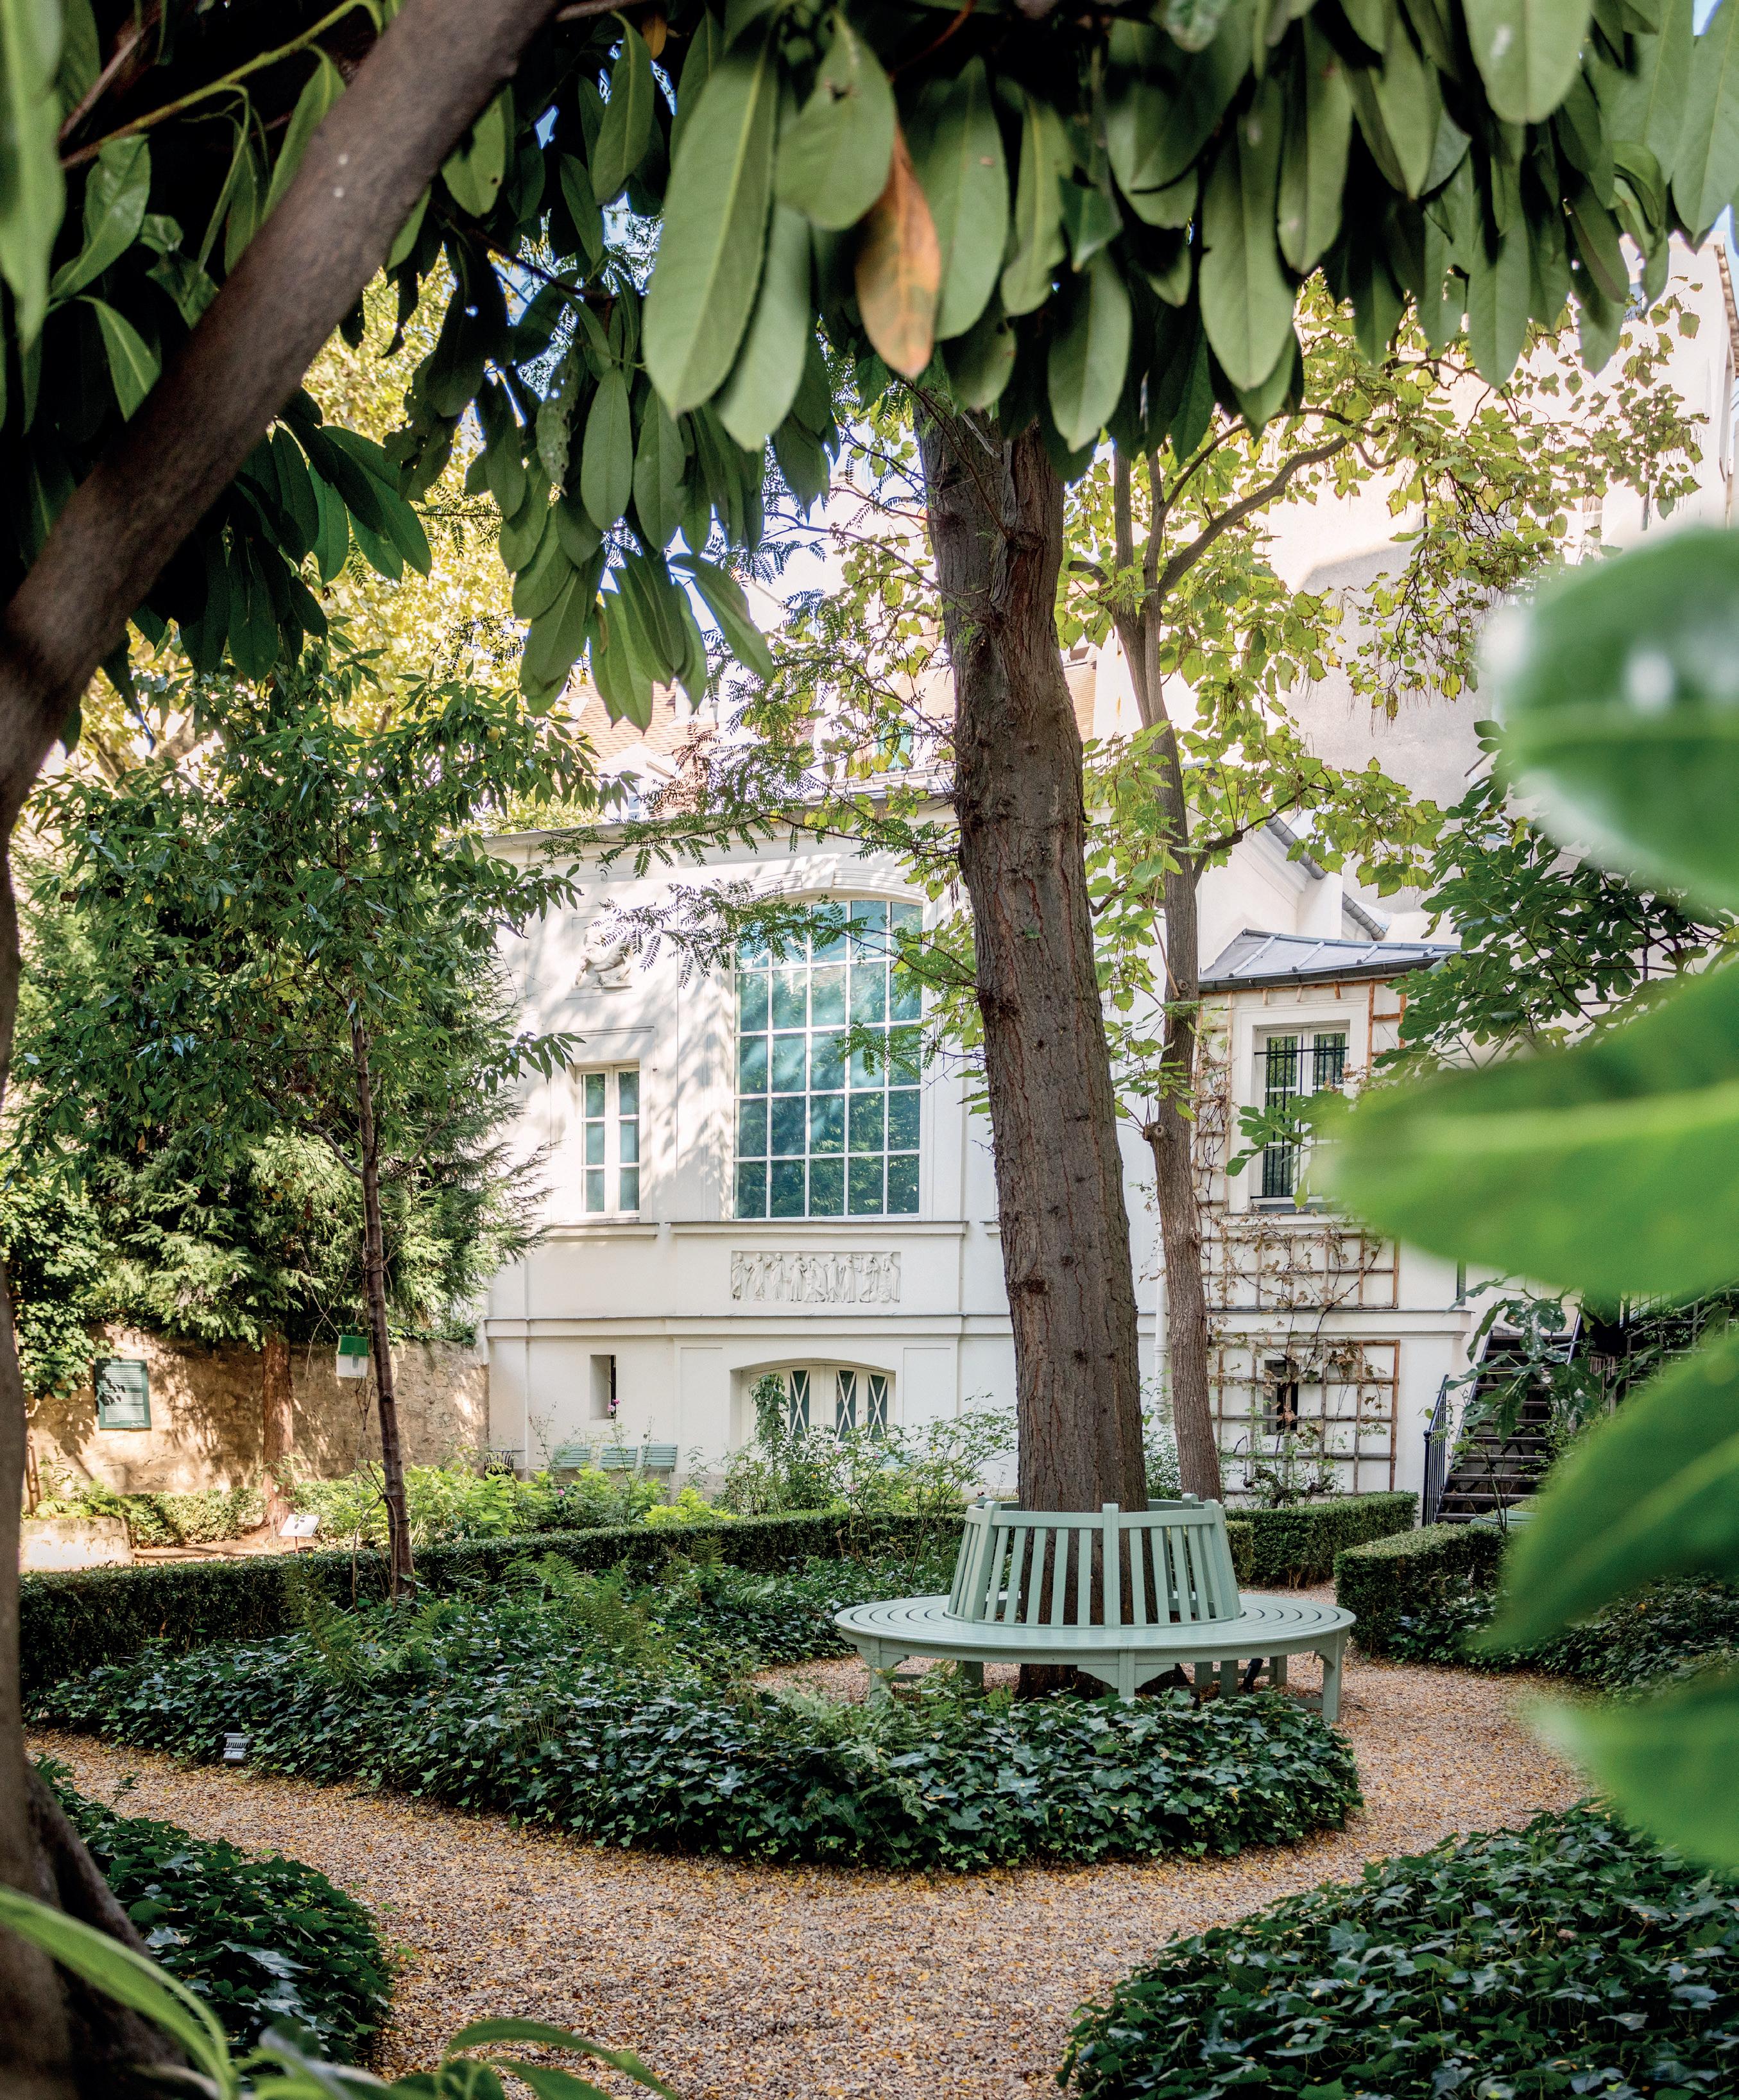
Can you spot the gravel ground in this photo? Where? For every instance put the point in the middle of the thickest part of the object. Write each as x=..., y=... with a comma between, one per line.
x=806, y=1983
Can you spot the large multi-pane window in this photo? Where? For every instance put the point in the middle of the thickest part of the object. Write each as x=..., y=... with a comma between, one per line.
x=827, y=1092
x=1286, y=1066
x=610, y=1139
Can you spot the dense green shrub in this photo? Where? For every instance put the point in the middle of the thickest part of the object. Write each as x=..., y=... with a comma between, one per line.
x=1421, y=1598
x=1567, y=1957
x=1242, y=1541
x=262, y=1940
x=74, y=1621
x=198, y=1518
x=622, y=1716
x=449, y=1503
x=1297, y=1545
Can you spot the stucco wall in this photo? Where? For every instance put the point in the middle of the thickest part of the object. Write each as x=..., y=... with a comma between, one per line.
x=205, y=1415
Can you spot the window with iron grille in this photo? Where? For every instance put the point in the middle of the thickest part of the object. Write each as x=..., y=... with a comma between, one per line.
x=1289, y=1067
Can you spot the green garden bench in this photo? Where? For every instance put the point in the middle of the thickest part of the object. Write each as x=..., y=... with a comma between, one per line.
x=1124, y=1595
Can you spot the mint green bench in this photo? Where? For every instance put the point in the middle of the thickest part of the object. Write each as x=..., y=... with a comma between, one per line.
x=1036, y=1587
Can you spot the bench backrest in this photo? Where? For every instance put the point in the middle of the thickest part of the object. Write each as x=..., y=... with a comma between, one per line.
x=1172, y=1566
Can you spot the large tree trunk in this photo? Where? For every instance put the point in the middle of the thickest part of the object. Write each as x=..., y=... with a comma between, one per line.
x=401, y=1574
x=996, y=526
x=435, y=67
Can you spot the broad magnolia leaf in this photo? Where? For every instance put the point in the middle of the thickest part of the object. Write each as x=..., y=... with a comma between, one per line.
x=725, y=600
x=658, y=461
x=759, y=393
x=1399, y=107
x=1089, y=358
x=980, y=363
x=133, y=365
x=1620, y=692
x=708, y=270
x=899, y=277
x=323, y=88
x=1247, y=302
x=1154, y=131
x=1313, y=163
x=1527, y=52
x=1613, y=1168
x=1652, y=1491
x=832, y=160
x=116, y=193
x=32, y=191
x=1500, y=290
x=1667, y=1762
x=606, y=466
x=473, y=172
x=1645, y=102
x=1044, y=159
x=1705, y=170
x=959, y=161
x=626, y=129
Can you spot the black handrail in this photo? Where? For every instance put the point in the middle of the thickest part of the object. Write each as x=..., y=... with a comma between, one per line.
x=1436, y=1457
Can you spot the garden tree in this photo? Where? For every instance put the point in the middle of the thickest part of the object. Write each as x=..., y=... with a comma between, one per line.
x=1608, y=1167
x=294, y=932
x=1178, y=181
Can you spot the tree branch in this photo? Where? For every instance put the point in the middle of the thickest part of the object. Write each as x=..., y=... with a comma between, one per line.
x=1185, y=557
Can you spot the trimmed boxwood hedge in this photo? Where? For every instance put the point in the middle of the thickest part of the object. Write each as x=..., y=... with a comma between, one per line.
x=260, y=1940
x=1567, y=1957
x=1293, y=1547
x=71, y=1622
x=1390, y=1583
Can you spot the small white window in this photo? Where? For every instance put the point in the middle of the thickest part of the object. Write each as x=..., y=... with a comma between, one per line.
x=1287, y=1068
x=610, y=1127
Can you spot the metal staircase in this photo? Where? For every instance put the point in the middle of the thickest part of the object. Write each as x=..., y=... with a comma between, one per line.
x=1487, y=1471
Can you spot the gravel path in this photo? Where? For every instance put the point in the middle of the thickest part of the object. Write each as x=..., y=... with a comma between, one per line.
x=803, y=1983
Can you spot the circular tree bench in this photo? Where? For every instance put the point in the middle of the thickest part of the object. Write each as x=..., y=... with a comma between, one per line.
x=1032, y=1586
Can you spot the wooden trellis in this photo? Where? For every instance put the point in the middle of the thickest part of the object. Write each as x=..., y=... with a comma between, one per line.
x=1300, y=1405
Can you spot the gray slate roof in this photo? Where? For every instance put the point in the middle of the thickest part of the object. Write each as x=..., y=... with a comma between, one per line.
x=1256, y=959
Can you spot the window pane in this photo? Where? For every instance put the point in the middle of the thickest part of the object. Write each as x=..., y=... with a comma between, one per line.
x=876, y=1413
x=628, y=1093
x=790, y=1126
x=751, y=1064
x=865, y=1187
x=751, y=1130
x=788, y=1064
x=594, y=1145
x=903, y=1051
x=864, y=1073
x=798, y=1393
x=905, y=917
x=866, y=1123
x=594, y=1093
x=905, y=998
x=750, y=950
x=828, y=937
x=785, y=1189
x=627, y=1142
x=902, y=1183
x=630, y=1200
x=594, y=1188
x=827, y=1123
x=827, y=998
x=1329, y=1062
x=902, y=1120
x=751, y=1190
x=751, y=1001
x=868, y=929
x=789, y=999
x=826, y=1188
x=845, y=1403
x=826, y=1062
x=869, y=993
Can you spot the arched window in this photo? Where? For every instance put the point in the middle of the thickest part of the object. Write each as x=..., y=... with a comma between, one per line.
x=824, y=1131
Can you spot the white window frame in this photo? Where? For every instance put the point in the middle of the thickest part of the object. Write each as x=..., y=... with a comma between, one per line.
x=1308, y=1036
x=618, y=1157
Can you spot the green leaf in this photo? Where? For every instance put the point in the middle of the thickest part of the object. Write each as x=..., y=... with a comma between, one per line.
x=1247, y=302
x=520, y=534
x=1644, y=103
x=583, y=208
x=323, y=88
x=833, y=159
x=133, y=366
x=549, y=2084
x=658, y=461
x=405, y=240
x=763, y=384
x=580, y=538
x=474, y=171
x=1038, y=208
x=1595, y=237
x=1172, y=207
x=1313, y=163
x=705, y=50
x=32, y=191
x=1617, y=690
x=1499, y=296
x=364, y=478
x=1089, y=358
x=116, y=193
x=958, y=154
x=725, y=600
x=606, y=465
x=708, y=270
x=1399, y=106
x=1613, y=1168
x=1527, y=52
x=1667, y=1762
x=537, y=585
x=129, y=1979
x=1160, y=114
x=552, y=648
x=1651, y=1491
x=626, y=129
x=555, y=419
x=332, y=546
x=980, y=363
x=1705, y=165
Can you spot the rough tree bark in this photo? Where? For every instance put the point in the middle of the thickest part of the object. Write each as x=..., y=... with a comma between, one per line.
x=996, y=527
x=277, y=1425
x=401, y=1573
x=436, y=67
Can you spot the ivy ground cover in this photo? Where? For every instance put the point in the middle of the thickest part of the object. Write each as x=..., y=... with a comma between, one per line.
x=627, y=1718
